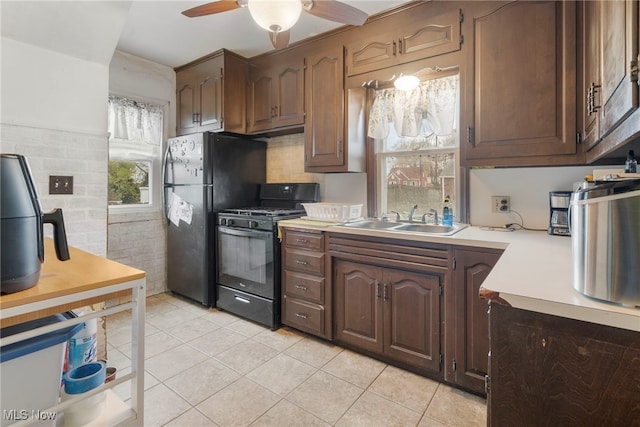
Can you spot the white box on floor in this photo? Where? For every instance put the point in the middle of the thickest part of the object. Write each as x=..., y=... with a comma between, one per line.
x=31, y=371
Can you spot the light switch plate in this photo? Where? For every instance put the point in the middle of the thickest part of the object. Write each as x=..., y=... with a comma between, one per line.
x=60, y=184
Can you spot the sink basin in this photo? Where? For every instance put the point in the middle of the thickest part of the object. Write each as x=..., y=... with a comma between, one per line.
x=372, y=224
x=429, y=228
x=441, y=230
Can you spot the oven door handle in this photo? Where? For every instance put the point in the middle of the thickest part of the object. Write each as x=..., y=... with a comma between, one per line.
x=242, y=233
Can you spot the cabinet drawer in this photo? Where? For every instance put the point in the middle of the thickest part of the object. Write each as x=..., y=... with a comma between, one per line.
x=310, y=288
x=305, y=240
x=304, y=261
x=304, y=316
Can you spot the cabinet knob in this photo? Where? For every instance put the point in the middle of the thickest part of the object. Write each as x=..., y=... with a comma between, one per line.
x=302, y=315
x=301, y=262
x=302, y=288
x=302, y=241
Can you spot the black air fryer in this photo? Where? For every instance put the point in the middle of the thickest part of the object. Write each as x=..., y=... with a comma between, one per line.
x=21, y=221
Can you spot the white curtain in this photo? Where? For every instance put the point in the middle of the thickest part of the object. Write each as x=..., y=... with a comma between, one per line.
x=433, y=101
x=135, y=121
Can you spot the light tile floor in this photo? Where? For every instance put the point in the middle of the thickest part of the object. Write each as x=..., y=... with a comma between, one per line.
x=206, y=367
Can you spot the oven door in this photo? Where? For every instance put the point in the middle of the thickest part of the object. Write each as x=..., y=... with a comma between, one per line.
x=246, y=260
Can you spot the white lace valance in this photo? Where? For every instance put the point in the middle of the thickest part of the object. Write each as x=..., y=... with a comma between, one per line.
x=135, y=121
x=433, y=101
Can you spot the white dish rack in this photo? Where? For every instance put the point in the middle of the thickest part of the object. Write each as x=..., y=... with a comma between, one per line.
x=332, y=212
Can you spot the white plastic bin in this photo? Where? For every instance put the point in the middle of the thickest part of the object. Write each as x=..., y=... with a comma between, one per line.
x=31, y=370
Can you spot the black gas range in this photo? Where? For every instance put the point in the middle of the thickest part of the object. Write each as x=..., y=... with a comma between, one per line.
x=248, y=281
x=259, y=217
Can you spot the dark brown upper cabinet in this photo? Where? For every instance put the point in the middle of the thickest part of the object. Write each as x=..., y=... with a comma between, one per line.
x=610, y=88
x=276, y=92
x=417, y=33
x=330, y=146
x=210, y=94
x=520, y=93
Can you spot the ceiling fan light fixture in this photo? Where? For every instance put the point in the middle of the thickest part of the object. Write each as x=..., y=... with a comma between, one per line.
x=275, y=15
x=406, y=82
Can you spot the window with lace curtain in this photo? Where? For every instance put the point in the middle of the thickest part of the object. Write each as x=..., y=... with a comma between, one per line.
x=416, y=147
x=135, y=141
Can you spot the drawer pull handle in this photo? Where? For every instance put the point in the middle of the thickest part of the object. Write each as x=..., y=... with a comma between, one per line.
x=302, y=288
x=244, y=300
x=302, y=316
x=302, y=241
x=301, y=262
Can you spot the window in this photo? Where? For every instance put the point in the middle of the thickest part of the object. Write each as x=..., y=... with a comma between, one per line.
x=416, y=147
x=135, y=141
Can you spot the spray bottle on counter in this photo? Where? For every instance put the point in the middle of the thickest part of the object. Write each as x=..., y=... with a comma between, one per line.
x=447, y=213
x=631, y=164
x=83, y=346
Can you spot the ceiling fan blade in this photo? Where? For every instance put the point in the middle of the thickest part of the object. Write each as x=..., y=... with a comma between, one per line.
x=279, y=39
x=211, y=8
x=335, y=11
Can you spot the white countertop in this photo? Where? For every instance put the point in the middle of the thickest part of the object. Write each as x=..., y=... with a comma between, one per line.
x=534, y=272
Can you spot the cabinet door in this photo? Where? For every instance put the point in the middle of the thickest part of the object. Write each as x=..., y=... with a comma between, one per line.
x=210, y=102
x=324, y=129
x=469, y=362
x=185, y=106
x=619, y=40
x=422, y=32
x=260, y=105
x=437, y=34
x=524, y=83
x=591, y=73
x=289, y=96
x=412, y=318
x=358, y=305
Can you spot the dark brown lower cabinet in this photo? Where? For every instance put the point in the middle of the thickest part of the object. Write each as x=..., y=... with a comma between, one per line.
x=467, y=320
x=552, y=371
x=388, y=300
x=392, y=312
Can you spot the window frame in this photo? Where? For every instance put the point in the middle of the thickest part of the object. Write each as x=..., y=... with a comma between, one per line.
x=374, y=162
x=156, y=168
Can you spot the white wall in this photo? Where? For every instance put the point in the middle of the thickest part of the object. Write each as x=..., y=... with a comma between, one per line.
x=137, y=236
x=528, y=189
x=54, y=111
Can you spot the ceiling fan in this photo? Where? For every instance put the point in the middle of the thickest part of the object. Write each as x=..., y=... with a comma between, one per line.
x=278, y=16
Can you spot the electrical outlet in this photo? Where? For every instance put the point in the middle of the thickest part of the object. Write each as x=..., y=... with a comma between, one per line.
x=500, y=204
x=60, y=184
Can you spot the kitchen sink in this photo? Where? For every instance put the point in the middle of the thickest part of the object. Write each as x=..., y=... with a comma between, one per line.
x=431, y=228
x=436, y=229
x=372, y=224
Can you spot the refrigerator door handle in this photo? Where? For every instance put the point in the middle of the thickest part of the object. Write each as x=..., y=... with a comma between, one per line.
x=167, y=154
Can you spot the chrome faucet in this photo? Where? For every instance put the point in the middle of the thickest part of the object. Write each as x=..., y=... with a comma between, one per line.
x=413, y=210
x=432, y=213
x=395, y=212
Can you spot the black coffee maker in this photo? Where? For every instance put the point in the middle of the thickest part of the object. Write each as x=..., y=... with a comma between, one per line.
x=559, y=202
x=21, y=222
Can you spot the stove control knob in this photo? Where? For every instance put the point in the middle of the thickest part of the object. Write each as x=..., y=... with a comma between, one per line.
x=253, y=224
x=229, y=222
x=223, y=221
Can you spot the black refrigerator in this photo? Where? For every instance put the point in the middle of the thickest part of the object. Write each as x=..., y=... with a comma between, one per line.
x=205, y=173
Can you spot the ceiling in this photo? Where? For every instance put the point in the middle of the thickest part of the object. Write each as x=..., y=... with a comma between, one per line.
x=151, y=29
x=156, y=30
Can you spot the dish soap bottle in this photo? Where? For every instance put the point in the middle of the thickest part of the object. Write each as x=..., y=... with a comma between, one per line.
x=631, y=165
x=447, y=213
